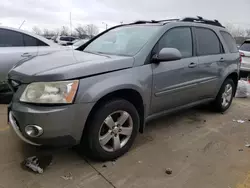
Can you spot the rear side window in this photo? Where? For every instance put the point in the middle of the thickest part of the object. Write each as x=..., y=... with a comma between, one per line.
x=245, y=46
x=179, y=38
x=10, y=38
x=31, y=41
x=207, y=42
x=231, y=44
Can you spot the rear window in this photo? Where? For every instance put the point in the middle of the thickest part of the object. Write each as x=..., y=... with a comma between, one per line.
x=245, y=46
x=231, y=44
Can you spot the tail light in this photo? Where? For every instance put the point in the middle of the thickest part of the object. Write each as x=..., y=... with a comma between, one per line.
x=241, y=55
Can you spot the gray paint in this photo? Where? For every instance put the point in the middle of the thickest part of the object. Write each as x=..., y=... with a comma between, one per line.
x=164, y=87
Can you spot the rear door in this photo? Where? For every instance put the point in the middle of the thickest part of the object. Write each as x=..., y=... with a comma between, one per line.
x=212, y=58
x=245, y=56
x=175, y=82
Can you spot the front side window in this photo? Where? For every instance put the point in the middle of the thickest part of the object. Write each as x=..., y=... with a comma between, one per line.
x=10, y=38
x=179, y=38
x=207, y=42
x=126, y=40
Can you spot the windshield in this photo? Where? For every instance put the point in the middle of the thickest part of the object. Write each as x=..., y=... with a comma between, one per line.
x=126, y=40
x=245, y=46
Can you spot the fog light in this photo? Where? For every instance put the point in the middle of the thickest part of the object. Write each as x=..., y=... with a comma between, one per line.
x=33, y=130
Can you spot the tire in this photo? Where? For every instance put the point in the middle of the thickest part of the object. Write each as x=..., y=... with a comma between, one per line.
x=218, y=104
x=96, y=125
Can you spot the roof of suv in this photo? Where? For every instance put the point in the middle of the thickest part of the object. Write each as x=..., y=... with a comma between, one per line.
x=186, y=19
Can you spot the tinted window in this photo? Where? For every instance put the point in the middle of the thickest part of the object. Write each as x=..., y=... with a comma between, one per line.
x=245, y=46
x=231, y=44
x=179, y=38
x=31, y=41
x=10, y=38
x=126, y=40
x=41, y=43
x=207, y=42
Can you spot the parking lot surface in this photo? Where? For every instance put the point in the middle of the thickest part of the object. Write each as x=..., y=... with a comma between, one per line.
x=202, y=148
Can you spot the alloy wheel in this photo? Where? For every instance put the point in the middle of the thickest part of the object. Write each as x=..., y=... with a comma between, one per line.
x=115, y=131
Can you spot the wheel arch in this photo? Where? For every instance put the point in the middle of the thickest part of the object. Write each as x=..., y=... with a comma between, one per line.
x=131, y=95
x=235, y=77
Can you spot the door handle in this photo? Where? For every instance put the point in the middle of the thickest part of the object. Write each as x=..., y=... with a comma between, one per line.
x=222, y=59
x=26, y=54
x=192, y=65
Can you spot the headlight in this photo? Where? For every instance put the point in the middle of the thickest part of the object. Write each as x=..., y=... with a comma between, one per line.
x=50, y=92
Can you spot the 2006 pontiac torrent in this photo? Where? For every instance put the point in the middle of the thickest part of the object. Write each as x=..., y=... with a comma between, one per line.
x=100, y=95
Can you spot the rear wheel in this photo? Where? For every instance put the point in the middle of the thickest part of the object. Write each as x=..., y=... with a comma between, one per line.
x=225, y=96
x=112, y=130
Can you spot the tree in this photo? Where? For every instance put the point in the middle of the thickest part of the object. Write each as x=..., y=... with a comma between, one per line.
x=81, y=31
x=37, y=30
x=248, y=32
x=65, y=31
x=92, y=30
x=235, y=31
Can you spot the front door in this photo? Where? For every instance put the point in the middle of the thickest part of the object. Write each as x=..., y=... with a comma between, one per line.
x=175, y=82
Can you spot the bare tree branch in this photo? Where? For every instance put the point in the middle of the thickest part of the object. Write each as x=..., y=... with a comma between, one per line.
x=37, y=30
x=92, y=30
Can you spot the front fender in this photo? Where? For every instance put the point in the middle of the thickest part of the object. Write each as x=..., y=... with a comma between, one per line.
x=94, y=88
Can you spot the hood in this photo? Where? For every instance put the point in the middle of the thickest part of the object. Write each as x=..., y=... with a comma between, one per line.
x=67, y=64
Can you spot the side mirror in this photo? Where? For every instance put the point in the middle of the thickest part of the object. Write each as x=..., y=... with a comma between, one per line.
x=167, y=54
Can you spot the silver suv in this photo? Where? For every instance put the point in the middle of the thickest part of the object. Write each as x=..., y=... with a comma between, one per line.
x=102, y=94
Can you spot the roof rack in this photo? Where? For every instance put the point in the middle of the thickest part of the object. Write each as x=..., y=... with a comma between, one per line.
x=145, y=21
x=199, y=19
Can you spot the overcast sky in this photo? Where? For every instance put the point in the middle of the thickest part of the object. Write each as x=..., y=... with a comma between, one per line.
x=56, y=13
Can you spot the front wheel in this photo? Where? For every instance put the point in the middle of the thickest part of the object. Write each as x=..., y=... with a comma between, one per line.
x=112, y=130
x=225, y=96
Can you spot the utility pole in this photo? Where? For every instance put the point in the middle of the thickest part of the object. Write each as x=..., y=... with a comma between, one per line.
x=106, y=25
x=21, y=24
x=70, y=24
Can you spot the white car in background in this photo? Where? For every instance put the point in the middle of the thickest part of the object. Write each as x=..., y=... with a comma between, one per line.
x=17, y=46
x=245, y=57
x=64, y=40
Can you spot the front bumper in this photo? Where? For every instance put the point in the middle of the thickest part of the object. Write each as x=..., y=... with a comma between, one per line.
x=13, y=123
x=62, y=125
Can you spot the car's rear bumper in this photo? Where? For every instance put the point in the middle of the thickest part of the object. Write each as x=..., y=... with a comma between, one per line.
x=62, y=125
x=244, y=69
